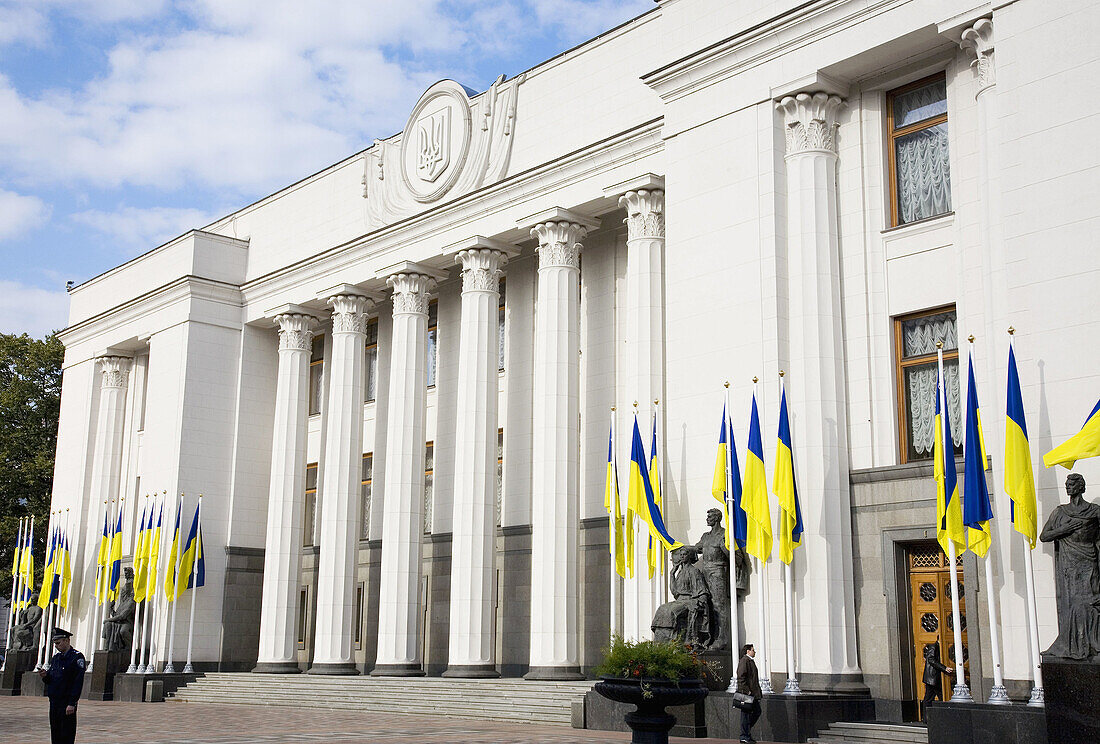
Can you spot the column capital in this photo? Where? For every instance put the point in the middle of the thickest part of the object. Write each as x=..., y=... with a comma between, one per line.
x=115, y=369
x=410, y=292
x=480, y=268
x=559, y=232
x=295, y=331
x=977, y=42
x=349, y=309
x=645, y=213
x=810, y=121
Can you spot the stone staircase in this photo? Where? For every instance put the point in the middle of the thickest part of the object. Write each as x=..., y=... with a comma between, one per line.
x=872, y=733
x=513, y=700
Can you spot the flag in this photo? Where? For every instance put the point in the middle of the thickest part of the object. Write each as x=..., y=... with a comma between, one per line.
x=26, y=567
x=116, y=557
x=640, y=493
x=977, y=511
x=103, y=560
x=784, y=488
x=173, y=553
x=152, y=547
x=614, y=508
x=66, y=573
x=46, y=593
x=192, y=558
x=754, y=498
x=949, y=524
x=1019, y=477
x=18, y=552
x=735, y=528
x=141, y=563
x=653, y=550
x=1083, y=444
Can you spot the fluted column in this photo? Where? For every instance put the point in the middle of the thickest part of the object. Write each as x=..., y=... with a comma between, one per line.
x=340, y=485
x=107, y=454
x=473, y=545
x=826, y=642
x=644, y=201
x=283, y=548
x=555, y=459
x=403, y=487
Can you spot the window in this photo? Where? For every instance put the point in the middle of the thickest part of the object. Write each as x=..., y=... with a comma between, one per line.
x=372, y=359
x=358, y=632
x=500, y=473
x=433, y=339
x=303, y=615
x=500, y=329
x=920, y=173
x=316, y=374
x=311, y=505
x=429, y=467
x=368, y=476
x=915, y=337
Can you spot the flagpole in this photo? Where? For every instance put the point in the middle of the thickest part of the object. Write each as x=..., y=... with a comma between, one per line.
x=998, y=695
x=44, y=624
x=791, y=688
x=28, y=537
x=105, y=588
x=660, y=575
x=1038, y=696
x=14, y=611
x=160, y=618
x=616, y=587
x=731, y=527
x=138, y=614
x=150, y=599
x=960, y=693
x=762, y=653
x=187, y=668
x=169, y=668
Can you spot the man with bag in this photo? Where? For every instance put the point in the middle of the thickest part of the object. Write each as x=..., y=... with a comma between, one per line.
x=748, y=692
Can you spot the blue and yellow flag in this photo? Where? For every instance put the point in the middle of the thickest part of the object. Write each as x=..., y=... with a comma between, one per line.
x=46, y=594
x=735, y=532
x=949, y=524
x=977, y=511
x=66, y=573
x=640, y=492
x=784, y=488
x=1019, y=476
x=103, y=560
x=1082, y=445
x=173, y=553
x=116, y=557
x=26, y=568
x=17, y=554
x=653, y=549
x=614, y=508
x=755, y=493
x=192, y=562
x=152, y=547
x=141, y=558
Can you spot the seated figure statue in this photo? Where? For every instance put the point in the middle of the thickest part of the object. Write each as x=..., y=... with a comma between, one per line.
x=26, y=628
x=118, y=628
x=686, y=618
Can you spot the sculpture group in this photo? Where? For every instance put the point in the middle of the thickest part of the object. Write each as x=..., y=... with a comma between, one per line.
x=1074, y=528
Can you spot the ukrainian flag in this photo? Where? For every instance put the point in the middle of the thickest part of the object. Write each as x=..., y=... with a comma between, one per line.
x=614, y=508
x=736, y=532
x=173, y=553
x=26, y=567
x=103, y=561
x=18, y=553
x=192, y=562
x=784, y=488
x=141, y=563
x=1082, y=445
x=640, y=492
x=66, y=573
x=977, y=511
x=1019, y=476
x=153, y=549
x=653, y=549
x=46, y=593
x=116, y=557
x=755, y=496
x=949, y=525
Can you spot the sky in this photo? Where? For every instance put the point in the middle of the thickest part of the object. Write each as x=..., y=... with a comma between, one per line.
x=124, y=123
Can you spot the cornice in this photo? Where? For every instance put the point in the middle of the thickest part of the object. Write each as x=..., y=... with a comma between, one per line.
x=761, y=43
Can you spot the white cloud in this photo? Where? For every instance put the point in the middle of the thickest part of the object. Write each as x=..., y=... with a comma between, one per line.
x=20, y=213
x=25, y=309
x=134, y=230
x=22, y=24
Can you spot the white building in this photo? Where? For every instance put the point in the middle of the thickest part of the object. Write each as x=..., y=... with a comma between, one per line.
x=712, y=191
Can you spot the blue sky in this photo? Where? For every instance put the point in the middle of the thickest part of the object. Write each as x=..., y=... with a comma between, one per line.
x=124, y=123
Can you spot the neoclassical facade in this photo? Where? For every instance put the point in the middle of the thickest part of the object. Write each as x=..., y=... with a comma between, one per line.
x=393, y=380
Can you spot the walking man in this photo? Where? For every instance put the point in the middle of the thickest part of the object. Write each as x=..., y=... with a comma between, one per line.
x=748, y=683
x=64, y=682
x=933, y=682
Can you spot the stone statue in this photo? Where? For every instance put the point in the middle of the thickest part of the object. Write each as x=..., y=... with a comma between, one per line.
x=688, y=616
x=1074, y=528
x=27, y=626
x=715, y=565
x=118, y=628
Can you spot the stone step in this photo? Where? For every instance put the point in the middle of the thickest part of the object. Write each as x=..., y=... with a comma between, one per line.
x=872, y=733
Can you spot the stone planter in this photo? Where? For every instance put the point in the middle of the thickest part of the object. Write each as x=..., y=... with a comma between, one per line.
x=650, y=723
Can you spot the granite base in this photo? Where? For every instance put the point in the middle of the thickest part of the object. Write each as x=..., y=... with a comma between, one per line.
x=981, y=723
x=721, y=664
x=99, y=685
x=602, y=714
x=15, y=664
x=31, y=685
x=130, y=688
x=787, y=718
x=1072, y=689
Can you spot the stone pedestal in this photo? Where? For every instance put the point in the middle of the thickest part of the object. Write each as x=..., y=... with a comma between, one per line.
x=100, y=683
x=787, y=718
x=721, y=664
x=131, y=688
x=15, y=664
x=602, y=714
x=978, y=723
x=31, y=685
x=1072, y=695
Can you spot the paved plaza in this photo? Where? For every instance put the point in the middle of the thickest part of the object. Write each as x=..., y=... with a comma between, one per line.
x=24, y=720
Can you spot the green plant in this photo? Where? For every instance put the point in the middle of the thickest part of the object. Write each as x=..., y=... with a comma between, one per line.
x=649, y=660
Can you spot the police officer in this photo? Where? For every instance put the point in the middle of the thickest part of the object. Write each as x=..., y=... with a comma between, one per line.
x=64, y=682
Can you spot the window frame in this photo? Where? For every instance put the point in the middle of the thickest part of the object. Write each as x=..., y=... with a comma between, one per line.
x=502, y=327
x=317, y=338
x=303, y=617
x=367, y=360
x=309, y=526
x=901, y=364
x=892, y=135
x=432, y=327
x=368, y=481
x=429, y=472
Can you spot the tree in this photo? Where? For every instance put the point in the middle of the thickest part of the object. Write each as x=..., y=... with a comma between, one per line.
x=30, y=404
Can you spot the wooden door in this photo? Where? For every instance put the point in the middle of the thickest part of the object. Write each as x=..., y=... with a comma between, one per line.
x=930, y=600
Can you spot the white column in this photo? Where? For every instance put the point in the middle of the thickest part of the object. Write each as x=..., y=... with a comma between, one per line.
x=283, y=549
x=474, y=524
x=340, y=484
x=826, y=641
x=555, y=458
x=643, y=199
x=107, y=455
x=403, y=488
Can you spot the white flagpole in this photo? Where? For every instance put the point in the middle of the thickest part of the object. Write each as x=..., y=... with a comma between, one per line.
x=792, y=687
x=105, y=589
x=762, y=652
x=138, y=615
x=44, y=625
x=28, y=535
x=169, y=668
x=960, y=693
x=660, y=585
x=160, y=620
x=731, y=526
x=616, y=586
x=1038, y=696
x=187, y=668
x=998, y=695
x=13, y=615
x=150, y=600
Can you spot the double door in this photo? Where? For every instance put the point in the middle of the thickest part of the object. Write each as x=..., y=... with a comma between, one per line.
x=932, y=620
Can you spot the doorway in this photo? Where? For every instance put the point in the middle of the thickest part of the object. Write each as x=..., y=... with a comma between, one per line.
x=930, y=603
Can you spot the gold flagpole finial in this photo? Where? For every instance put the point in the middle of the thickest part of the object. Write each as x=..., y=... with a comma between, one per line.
x=200, y=495
x=1011, y=331
x=755, y=380
x=727, y=384
x=970, y=338
x=635, y=404
x=612, y=409
x=939, y=344
x=656, y=401
x=781, y=373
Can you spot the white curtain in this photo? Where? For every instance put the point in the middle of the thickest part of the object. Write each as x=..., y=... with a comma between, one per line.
x=923, y=174
x=919, y=337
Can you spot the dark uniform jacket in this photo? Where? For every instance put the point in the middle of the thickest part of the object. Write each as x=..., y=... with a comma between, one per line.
x=933, y=668
x=65, y=678
x=748, y=678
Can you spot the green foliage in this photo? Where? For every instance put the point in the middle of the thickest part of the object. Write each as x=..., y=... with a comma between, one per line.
x=649, y=659
x=30, y=403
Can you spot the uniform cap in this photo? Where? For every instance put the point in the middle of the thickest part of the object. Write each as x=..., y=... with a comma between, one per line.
x=60, y=633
